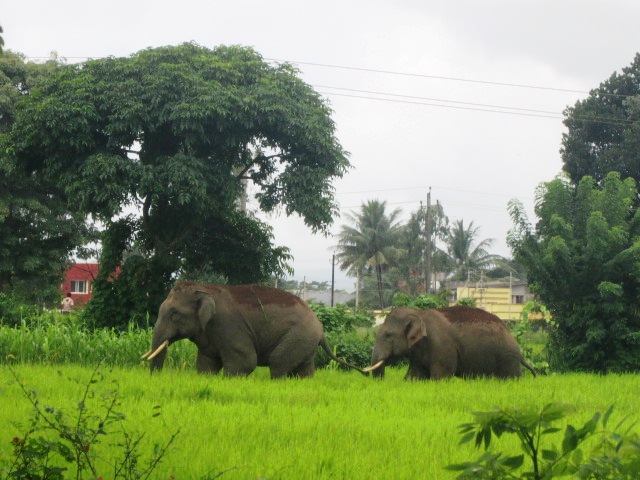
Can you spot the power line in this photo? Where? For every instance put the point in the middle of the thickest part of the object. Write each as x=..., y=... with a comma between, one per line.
x=436, y=100
x=555, y=117
x=620, y=122
x=373, y=70
x=487, y=108
x=438, y=77
x=424, y=187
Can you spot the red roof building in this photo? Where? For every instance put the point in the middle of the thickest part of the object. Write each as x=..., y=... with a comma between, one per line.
x=78, y=280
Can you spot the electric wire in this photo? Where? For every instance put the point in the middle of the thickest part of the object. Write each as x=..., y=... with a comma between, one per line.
x=435, y=99
x=453, y=104
x=421, y=75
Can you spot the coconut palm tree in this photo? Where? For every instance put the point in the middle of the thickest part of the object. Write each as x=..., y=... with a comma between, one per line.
x=466, y=253
x=370, y=241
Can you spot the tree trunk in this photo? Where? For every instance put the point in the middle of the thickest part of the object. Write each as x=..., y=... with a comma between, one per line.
x=380, y=289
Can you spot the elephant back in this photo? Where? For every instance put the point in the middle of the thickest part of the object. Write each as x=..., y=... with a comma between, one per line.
x=259, y=296
x=459, y=314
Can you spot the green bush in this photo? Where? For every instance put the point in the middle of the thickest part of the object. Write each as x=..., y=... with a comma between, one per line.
x=425, y=302
x=353, y=347
x=340, y=323
x=466, y=302
x=341, y=318
x=13, y=311
x=533, y=341
x=401, y=299
x=615, y=456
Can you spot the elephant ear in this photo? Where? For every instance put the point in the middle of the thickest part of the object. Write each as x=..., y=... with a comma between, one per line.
x=415, y=330
x=205, y=306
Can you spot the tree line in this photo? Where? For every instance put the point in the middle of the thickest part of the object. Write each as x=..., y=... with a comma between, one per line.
x=390, y=255
x=148, y=156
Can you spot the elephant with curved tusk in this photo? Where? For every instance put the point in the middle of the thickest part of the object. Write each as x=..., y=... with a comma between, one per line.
x=441, y=343
x=237, y=328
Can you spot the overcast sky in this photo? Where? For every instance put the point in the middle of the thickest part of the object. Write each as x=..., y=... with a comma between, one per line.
x=465, y=97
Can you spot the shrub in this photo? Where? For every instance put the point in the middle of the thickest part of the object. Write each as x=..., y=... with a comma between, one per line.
x=466, y=302
x=429, y=301
x=351, y=347
x=13, y=311
x=56, y=443
x=522, y=331
x=401, y=299
x=341, y=318
x=617, y=455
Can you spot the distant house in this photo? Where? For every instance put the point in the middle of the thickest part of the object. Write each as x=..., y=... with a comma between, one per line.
x=504, y=299
x=324, y=296
x=78, y=280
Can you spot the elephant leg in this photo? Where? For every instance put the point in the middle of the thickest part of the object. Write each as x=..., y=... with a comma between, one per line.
x=419, y=365
x=239, y=364
x=417, y=371
x=293, y=356
x=442, y=370
x=207, y=364
x=305, y=370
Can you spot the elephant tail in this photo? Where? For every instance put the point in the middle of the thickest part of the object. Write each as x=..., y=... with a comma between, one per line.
x=325, y=346
x=528, y=366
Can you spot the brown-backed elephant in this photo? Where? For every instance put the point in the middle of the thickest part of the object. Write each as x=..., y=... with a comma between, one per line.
x=237, y=328
x=441, y=343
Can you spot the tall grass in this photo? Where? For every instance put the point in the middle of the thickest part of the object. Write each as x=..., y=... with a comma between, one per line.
x=63, y=339
x=336, y=425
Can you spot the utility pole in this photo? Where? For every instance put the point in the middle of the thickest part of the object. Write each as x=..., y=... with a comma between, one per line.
x=423, y=259
x=428, y=229
x=333, y=276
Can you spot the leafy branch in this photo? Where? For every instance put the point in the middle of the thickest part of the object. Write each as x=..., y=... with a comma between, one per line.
x=616, y=456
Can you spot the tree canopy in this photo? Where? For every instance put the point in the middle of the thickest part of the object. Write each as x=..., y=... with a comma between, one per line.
x=603, y=132
x=583, y=255
x=37, y=231
x=583, y=261
x=158, y=147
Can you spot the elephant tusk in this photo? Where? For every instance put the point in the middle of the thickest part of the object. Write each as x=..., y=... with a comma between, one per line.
x=373, y=367
x=164, y=345
x=145, y=355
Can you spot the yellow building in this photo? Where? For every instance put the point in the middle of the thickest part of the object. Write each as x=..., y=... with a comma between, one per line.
x=502, y=299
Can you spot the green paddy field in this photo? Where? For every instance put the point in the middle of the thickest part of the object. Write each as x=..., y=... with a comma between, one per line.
x=338, y=425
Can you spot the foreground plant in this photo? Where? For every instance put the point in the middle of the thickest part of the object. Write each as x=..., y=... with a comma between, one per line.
x=56, y=440
x=616, y=456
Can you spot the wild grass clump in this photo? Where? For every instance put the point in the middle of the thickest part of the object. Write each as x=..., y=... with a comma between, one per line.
x=58, y=443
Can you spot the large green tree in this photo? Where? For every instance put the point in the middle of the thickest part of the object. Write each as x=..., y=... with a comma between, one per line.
x=603, y=130
x=158, y=147
x=583, y=261
x=370, y=241
x=37, y=231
